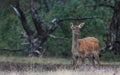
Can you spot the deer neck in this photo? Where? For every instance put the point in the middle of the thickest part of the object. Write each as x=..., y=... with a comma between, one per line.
x=75, y=37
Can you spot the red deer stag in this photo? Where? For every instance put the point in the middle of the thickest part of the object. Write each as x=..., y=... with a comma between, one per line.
x=86, y=47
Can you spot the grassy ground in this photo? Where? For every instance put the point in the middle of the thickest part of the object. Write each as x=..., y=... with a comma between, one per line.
x=50, y=62
x=32, y=60
x=64, y=72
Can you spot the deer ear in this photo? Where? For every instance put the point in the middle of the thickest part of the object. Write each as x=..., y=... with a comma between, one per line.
x=81, y=25
x=71, y=25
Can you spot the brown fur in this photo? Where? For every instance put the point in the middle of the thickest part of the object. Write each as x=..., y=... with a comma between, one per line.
x=86, y=47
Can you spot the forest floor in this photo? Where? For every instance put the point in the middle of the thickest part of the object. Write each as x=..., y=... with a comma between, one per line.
x=11, y=65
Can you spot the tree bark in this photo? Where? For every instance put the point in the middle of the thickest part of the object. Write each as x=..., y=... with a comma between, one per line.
x=35, y=41
x=115, y=27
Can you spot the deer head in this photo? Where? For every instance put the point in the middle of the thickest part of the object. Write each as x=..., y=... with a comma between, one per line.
x=75, y=28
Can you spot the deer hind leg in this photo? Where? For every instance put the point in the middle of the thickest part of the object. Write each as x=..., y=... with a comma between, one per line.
x=91, y=59
x=83, y=60
x=75, y=58
x=97, y=59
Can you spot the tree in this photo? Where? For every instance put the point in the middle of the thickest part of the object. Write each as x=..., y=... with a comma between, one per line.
x=112, y=34
x=35, y=40
x=114, y=28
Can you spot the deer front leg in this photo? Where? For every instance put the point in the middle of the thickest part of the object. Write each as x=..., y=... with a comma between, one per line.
x=74, y=58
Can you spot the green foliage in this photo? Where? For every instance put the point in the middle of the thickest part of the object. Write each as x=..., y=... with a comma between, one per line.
x=10, y=26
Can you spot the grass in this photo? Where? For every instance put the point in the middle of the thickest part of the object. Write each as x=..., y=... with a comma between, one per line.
x=64, y=72
x=48, y=60
x=54, y=60
x=32, y=60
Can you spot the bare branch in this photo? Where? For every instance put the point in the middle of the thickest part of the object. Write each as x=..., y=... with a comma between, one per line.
x=55, y=22
x=56, y=37
x=36, y=19
x=54, y=26
x=76, y=19
x=11, y=50
x=101, y=4
x=46, y=6
x=22, y=18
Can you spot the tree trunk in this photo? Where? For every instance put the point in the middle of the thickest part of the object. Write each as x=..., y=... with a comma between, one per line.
x=114, y=28
x=35, y=41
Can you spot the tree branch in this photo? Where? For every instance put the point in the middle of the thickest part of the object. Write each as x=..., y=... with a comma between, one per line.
x=36, y=19
x=55, y=22
x=76, y=19
x=56, y=37
x=53, y=27
x=11, y=50
x=22, y=18
x=101, y=4
x=46, y=6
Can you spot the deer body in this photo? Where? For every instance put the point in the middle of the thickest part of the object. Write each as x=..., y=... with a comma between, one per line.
x=86, y=47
